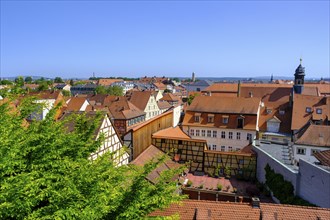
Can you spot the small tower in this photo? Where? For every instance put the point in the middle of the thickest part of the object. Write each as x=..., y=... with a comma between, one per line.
x=193, y=77
x=299, y=78
x=271, y=78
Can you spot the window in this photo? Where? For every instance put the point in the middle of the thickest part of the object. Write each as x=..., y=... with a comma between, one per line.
x=210, y=118
x=208, y=133
x=180, y=142
x=301, y=151
x=238, y=149
x=196, y=118
x=214, y=147
x=203, y=133
x=192, y=132
x=308, y=109
x=240, y=122
x=214, y=134
x=269, y=110
x=282, y=112
x=209, y=146
x=225, y=119
x=230, y=148
x=197, y=132
x=313, y=151
x=230, y=135
x=318, y=111
x=223, y=134
x=238, y=135
x=241, y=161
x=249, y=137
x=223, y=148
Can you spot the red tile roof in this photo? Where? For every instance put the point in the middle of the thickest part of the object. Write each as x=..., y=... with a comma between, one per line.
x=316, y=135
x=203, y=210
x=153, y=153
x=108, y=82
x=290, y=212
x=75, y=103
x=140, y=99
x=216, y=104
x=124, y=109
x=323, y=157
x=171, y=133
x=300, y=116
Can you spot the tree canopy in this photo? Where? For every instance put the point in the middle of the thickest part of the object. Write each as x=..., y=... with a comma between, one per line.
x=111, y=90
x=58, y=80
x=45, y=172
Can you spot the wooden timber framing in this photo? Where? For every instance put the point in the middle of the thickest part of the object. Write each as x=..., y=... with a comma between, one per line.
x=241, y=165
x=139, y=138
x=195, y=153
x=191, y=151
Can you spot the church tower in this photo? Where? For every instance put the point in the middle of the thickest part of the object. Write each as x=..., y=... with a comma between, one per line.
x=299, y=79
x=193, y=77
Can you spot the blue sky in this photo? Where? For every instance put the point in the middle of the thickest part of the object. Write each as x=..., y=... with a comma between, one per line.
x=138, y=38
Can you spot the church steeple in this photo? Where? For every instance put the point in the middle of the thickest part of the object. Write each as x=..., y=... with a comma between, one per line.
x=299, y=78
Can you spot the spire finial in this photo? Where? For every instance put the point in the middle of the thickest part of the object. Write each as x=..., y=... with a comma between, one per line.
x=300, y=60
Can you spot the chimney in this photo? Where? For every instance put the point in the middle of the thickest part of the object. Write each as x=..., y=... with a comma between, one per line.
x=250, y=94
x=255, y=202
x=239, y=88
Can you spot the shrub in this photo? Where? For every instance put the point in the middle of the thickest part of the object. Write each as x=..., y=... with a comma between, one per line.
x=219, y=187
x=201, y=186
x=189, y=183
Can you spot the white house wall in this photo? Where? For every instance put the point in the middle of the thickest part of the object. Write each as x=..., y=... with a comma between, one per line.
x=308, y=156
x=111, y=143
x=235, y=143
x=152, y=108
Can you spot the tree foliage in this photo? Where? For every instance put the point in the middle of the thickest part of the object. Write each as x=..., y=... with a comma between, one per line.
x=58, y=80
x=28, y=79
x=45, y=172
x=111, y=90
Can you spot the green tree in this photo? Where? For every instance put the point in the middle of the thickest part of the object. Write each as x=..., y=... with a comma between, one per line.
x=6, y=82
x=28, y=79
x=43, y=86
x=191, y=98
x=71, y=82
x=100, y=90
x=45, y=172
x=19, y=81
x=58, y=80
x=115, y=90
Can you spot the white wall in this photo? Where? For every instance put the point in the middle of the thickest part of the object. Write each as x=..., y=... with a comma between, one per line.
x=152, y=108
x=235, y=143
x=308, y=156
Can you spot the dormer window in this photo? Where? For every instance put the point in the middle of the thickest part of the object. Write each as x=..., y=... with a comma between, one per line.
x=210, y=118
x=318, y=111
x=197, y=117
x=269, y=110
x=282, y=112
x=240, y=121
x=225, y=119
x=308, y=109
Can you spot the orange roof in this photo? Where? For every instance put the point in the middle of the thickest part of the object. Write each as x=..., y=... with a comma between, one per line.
x=316, y=135
x=300, y=116
x=217, y=104
x=150, y=154
x=164, y=105
x=323, y=157
x=203, y=210
x=123, y=109
x=140, y=99
x=107, y=82
x=75, y=103
x=250, y=121
x=171, y=133
x=322, y=88
x=160, y=85
x=222, y=87
x=170, y=97
x=280, y=211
